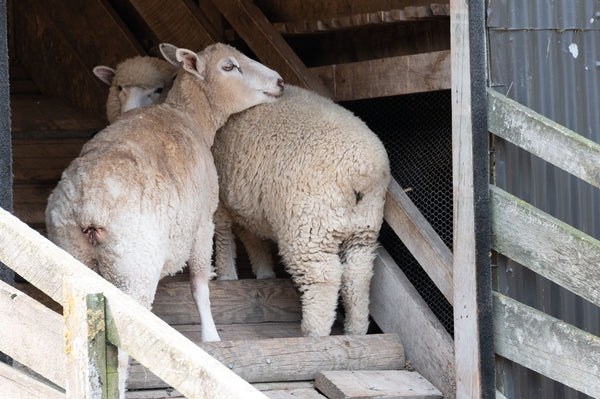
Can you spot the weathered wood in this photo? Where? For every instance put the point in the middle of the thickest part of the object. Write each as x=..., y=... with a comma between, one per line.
x=472, y=287
x=397, y=307
x=304, y=393
x=85, y=344
x=241, y=301
x=371, y=18
x=545, y=244
x=235, y=332
x=181, y=23
x=499, y=395
x=31, y=334
x=293, y=359
x=169, y=355
x=154, y=394
x=381, y=384
x=544, y=138
x=268, y=44
x=419, y=237
x=387, y=76
x=15, y=384
x=547, y=345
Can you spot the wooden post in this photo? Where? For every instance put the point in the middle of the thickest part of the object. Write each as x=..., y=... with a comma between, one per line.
x=473, y=333
x=85, y=346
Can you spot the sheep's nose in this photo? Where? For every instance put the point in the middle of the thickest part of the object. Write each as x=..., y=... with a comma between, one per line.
x=280, y=82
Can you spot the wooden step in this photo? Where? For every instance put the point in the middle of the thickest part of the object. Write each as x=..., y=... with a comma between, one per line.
x=381, y=384
x=293, y=359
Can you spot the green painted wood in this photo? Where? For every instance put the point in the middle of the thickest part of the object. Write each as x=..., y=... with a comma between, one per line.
x=545, y=245
x=547, y=345
x=544, y=138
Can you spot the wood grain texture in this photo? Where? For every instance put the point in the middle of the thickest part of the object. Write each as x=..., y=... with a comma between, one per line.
x=268, y=44
x=547, y=345
x=545, y=245
x=420, y=238
x=381, y=384
x=130, y=326
x=304, y=393
x=389, y=76
x=15, y=384
x=397, y=307
x=544, y=138
x=295, y=359
x=181, y=23
x=32, y=334
x=240, y=301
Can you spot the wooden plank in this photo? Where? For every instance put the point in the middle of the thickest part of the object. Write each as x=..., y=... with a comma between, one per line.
x=547, y=345
x=31, y=334
x=544, y=138
x=295, y=359
x=397, y=307
x=390, y=76
x=472, y=276
x=181, y=23
x=240, y=301
x=172, y=357
x=15, y=384
x=268, y=44
x=235, y=332
x=381, y=384
x=544, y=244
x=304, y=393
x=419, y=237
x=154, y=394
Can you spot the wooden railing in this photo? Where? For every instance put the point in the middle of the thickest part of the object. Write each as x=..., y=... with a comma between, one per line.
x=549, y=247
x=95, y=311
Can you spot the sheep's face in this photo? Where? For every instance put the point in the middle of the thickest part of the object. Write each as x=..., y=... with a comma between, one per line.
x=234, y=81
x=131, y=97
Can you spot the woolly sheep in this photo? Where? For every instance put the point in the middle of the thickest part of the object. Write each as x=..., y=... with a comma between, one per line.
x=136, y=82
x=309, y=175
x=138, y=202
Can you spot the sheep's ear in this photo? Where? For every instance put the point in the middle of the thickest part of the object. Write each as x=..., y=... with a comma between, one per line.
x=191, y=62
x=104, y=73
x=168, y=52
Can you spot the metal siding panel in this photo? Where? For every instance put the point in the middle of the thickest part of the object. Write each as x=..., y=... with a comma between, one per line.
x=546, y=55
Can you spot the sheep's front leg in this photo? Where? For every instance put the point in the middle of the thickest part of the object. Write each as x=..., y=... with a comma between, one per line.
x=200, y=274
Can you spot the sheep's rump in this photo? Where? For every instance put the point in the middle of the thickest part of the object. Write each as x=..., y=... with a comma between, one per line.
x=326, y=174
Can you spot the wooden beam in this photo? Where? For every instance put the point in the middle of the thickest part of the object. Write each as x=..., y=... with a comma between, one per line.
x=544, y=138
x=419, y=237
x=169, y=355
x=545, y=245
x=181, y=23
x=397, y=307
x=304, y=393
x=547, y=345
x=15, y=384
x=31, y=334
x=240, y=301
x=59, y=51
x=375, y=384
x=268, y=44
x=295, y=359
x=470, y=158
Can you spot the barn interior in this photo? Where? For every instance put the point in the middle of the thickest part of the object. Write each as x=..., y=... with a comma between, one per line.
x=388, y=61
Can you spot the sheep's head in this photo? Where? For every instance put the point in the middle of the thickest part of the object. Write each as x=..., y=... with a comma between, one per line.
x=136, y=82
x=231, y=80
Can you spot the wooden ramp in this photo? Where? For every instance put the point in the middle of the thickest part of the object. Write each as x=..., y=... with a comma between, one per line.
x=259, y=324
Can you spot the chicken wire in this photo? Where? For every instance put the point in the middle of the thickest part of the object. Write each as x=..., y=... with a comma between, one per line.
x=416, y=130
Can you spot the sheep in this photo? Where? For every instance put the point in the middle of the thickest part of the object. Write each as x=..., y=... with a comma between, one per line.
x=136, y=82
x=138, y=202
x=309, y=175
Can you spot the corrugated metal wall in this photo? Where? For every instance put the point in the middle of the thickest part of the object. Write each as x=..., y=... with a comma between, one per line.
x=545, y=54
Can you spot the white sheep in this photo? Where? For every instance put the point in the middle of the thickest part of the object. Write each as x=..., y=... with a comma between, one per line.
x=138, y=202
x=309, y=175
x=135, y=82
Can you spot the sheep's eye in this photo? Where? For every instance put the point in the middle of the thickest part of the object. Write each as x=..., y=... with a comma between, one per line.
x=158, y=90
x=229, y=67
x=120, y=88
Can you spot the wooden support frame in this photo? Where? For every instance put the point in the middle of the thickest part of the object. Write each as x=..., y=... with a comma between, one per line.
x=475, y=377
x=15, y=384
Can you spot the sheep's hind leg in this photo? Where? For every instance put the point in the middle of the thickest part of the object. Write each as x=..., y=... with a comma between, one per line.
x=318, y=277
x=200, y=274
x=356, y=282
x=259, y=253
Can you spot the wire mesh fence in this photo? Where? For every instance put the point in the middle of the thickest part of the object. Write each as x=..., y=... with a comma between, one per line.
x=416, y=130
